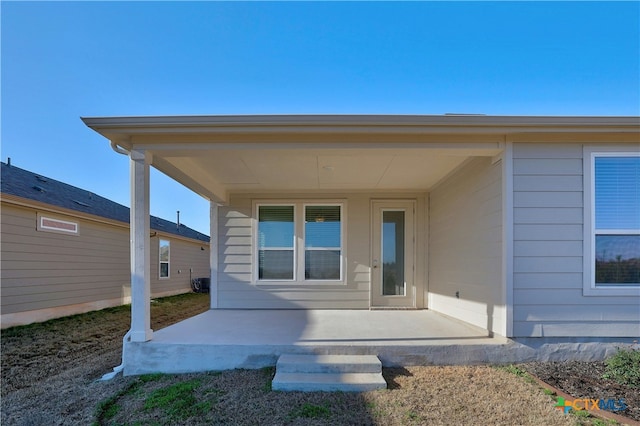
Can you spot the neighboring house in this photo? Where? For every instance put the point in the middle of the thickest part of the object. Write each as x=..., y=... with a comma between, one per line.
x=65, y=250
x=525, y=226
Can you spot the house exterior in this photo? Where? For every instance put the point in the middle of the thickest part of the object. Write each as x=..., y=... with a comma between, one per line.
x=66, y=250
x=528, y=227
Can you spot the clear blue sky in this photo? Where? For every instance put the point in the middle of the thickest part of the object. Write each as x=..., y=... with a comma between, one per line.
x=61, y=61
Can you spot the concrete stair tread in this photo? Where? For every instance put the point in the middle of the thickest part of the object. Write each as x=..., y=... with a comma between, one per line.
x=346, y=373
x=288, y=363
x=346, y=382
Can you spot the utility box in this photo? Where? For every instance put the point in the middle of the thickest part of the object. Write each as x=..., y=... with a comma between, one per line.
x=200, y=285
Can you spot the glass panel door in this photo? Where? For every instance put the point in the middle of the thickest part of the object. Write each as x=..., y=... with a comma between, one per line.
x=392, y=261
x=393, y=283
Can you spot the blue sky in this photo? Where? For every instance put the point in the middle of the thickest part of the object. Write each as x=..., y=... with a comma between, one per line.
x=61, y=61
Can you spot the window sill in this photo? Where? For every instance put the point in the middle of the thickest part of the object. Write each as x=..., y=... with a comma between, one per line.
x=301, y=283
x=612, y=291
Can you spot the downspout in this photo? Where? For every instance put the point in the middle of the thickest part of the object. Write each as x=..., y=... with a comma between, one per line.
x=127, y=336
x=120, y=367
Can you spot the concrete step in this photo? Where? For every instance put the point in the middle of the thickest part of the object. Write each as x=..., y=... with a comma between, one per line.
x=288, y=363
x=328, y=382
x=346, y=373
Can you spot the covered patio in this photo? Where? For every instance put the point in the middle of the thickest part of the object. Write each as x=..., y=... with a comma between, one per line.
x=423, y=203
x=222, y=339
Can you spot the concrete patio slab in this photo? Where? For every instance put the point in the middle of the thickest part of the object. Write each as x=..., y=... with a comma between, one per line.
x=228, y=339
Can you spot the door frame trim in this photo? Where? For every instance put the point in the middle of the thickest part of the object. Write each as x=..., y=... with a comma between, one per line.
x=412, y=288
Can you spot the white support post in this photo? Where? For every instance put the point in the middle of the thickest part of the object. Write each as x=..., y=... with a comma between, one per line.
x=140, y=247
x=507, y=237
x=213, y=253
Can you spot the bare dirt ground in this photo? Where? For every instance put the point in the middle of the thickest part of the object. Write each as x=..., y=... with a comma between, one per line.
x=49, y=374
x=49, y=369
x=584, y=380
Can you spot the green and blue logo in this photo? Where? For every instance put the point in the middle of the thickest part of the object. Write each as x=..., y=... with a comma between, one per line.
x=591, y=404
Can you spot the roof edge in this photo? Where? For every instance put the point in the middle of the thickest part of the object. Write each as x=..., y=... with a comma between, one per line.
x=356, y=120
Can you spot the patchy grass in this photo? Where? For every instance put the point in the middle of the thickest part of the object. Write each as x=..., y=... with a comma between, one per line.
x=515, y=370
x=49, y=374
x=177, y=401
x=420, y=395
x=49, y=369
x=310, y=411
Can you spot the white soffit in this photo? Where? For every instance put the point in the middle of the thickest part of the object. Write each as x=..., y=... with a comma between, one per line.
x=215, y=155
x=308, y=170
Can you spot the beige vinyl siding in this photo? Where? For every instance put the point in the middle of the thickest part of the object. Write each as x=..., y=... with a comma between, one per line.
x=46, y=275
x=465, y=245
x=184, y=255
x=548, y=237
x=236, y=281
x=45, y=270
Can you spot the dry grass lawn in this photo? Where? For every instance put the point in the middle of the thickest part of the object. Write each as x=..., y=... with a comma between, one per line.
x=49, y=374
x=418, y=395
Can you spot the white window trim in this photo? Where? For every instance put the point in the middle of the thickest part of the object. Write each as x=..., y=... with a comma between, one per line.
x=160, y=262
x=589, y=286
x=299, y=241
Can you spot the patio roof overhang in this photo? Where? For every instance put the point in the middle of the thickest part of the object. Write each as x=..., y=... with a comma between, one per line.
x=218, y=155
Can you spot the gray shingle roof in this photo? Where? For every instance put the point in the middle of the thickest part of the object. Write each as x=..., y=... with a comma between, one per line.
x=23, y=183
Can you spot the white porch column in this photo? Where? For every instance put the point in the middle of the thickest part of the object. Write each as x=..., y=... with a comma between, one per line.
x=213, y=253
x=140, y=247
x=507, y=237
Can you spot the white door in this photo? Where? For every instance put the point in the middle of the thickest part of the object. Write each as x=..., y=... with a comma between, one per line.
x=393, y=254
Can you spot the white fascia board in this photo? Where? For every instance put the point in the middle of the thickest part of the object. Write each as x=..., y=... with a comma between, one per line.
x=391, y=123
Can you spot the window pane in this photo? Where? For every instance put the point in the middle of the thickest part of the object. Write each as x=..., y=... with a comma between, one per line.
x=322, y=226
x=164, y=250
x=617, y=259
x=164, y=270
x=275, y=264
x=275, y=227
x=617, y=197
x=322, y=265
x=393, y=253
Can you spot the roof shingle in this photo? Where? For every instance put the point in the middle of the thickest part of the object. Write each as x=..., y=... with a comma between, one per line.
x=23, y=183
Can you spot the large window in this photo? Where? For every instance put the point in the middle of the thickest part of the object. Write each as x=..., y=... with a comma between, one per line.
x=276, y=242
x=316, y=228
x=322, y=243
x=164, y=254
x=613, y=223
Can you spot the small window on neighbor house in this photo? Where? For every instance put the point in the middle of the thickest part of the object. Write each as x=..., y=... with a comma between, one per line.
x=616, y=219
x=276, y=236
x=165, y=248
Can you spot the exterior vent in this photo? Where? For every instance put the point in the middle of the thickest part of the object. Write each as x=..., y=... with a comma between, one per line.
x=80, y=203
x=38, y=188
x=41, y=179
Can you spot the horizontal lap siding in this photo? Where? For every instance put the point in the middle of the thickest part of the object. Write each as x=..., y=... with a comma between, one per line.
x=183, y=256
x=548, y=251
x=236, y=282
x=465, y=245
x=43, y=270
